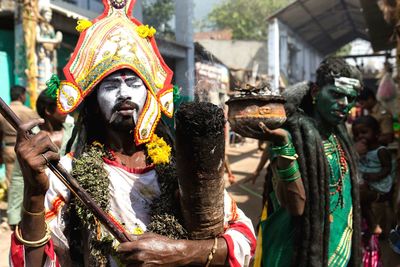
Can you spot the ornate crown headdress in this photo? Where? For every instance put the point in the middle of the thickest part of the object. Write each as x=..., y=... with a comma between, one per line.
x=113, y=41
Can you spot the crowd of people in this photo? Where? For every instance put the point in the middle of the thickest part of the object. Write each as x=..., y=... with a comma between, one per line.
x=323, y=178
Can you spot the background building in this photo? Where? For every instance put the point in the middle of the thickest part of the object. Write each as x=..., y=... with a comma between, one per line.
x=177, y=51
x=304, y=32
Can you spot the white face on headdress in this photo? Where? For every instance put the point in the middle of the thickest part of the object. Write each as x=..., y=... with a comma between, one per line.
x=121, y=97
x=47, y=13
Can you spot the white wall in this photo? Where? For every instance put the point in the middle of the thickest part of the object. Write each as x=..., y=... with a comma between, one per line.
x=297, y=60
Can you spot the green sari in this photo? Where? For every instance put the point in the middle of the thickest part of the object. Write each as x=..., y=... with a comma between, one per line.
x=278, y=231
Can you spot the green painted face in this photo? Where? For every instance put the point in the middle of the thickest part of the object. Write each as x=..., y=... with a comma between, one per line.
x=333, y=103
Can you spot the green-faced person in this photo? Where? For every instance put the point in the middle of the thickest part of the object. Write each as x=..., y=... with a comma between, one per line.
x=334, y=101
x=312, y=198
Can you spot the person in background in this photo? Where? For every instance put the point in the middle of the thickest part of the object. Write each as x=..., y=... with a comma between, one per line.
x=7, y=132
x=313, y=199
x=54, y=121
x=59, y=132
x=375, y=166
x=368, y=102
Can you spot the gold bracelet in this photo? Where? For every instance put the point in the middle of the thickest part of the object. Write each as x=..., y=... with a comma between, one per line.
x=212, y=252
x=40, y=213
x=33, y=244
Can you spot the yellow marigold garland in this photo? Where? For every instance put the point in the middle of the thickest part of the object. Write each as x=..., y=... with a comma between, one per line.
x=83, y=24
x=158, y=150
x=145, y=31
x=138, y=231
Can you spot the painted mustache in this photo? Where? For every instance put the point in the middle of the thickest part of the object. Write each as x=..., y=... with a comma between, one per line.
x=125, y=105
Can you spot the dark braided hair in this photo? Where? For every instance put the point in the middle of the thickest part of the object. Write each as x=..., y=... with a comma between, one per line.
x=333, y=67
x=312, y=238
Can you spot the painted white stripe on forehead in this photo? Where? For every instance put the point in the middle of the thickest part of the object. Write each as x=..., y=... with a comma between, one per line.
x=348, y=83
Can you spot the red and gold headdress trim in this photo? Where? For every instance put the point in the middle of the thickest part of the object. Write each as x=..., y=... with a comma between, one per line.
x=115, y=41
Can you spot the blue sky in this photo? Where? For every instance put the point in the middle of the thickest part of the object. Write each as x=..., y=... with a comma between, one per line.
x=203, y=7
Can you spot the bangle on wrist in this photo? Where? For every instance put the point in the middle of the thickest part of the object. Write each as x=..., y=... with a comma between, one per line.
x=212, y=252
x=285, y=150
x=289, y=172
x=291, y=179
x=40, y=213
x=33, y=244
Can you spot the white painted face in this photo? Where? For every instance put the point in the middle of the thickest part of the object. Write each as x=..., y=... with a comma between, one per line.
x=121, y=97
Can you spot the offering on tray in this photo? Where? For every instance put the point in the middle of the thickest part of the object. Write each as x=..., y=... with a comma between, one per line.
x=251, y=105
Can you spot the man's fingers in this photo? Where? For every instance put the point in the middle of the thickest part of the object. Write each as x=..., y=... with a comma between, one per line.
x=51, y=156
x=38, y=163
x=29, y=125
x=127, y=246
x=51, y=146
x=146, y=236
x=264, y=128
x=43, y=143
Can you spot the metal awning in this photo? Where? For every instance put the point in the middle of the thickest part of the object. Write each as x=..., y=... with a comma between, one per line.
x=72, y=11
x=327, y=25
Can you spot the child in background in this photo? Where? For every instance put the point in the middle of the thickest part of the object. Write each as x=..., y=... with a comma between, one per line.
x=375, y=166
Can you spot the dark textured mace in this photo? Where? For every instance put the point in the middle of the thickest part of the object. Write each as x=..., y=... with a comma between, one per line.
x=200, y=147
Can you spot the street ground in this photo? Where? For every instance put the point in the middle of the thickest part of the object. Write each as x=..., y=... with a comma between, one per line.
x=244, y=159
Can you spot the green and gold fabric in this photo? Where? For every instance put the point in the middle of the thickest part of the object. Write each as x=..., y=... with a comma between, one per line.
x=277, y=232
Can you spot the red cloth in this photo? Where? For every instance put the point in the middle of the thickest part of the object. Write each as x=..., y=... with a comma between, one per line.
x=17, y=253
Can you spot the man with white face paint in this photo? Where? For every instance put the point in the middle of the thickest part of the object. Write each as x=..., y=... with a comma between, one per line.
x=123, y=158
x=121, y=97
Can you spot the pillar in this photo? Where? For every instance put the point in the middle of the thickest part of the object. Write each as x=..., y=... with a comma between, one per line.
x=184, y=71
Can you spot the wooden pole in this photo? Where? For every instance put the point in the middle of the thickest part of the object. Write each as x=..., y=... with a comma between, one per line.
x=30, y=15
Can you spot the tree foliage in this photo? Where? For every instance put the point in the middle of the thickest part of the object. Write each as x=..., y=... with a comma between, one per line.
x=158, y=13
x=343, y=51
x=246, y=18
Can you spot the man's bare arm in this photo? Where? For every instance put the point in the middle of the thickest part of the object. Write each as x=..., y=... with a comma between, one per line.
x=32, y=154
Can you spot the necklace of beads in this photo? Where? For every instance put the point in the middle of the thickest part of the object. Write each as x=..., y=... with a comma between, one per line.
x=332, y=146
